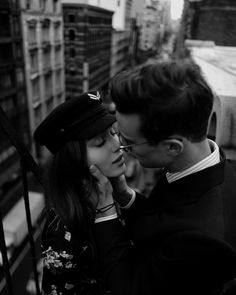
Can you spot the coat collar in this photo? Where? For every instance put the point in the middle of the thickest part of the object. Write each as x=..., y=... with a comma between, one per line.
x=189, y=188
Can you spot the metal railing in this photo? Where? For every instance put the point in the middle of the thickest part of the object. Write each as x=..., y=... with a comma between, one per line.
x=27, y=164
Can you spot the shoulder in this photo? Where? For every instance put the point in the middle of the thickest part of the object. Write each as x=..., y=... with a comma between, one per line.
x=194, y=243
x=55, y=234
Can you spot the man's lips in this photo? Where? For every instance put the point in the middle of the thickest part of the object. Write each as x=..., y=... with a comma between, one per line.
x=117, y=159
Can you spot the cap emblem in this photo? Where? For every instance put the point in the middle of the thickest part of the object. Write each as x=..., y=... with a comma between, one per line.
x=93, y=96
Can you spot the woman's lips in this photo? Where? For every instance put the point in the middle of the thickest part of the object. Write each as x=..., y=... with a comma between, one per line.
x=118, y=159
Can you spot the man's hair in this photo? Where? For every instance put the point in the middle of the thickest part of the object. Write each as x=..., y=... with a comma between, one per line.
x=171, y=97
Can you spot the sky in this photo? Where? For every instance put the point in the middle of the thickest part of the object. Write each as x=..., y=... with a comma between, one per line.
x=176, y=8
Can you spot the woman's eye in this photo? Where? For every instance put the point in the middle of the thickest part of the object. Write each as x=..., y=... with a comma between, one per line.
x=100, y=141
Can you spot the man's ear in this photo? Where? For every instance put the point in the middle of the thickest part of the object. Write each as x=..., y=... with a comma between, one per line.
x=173, y=146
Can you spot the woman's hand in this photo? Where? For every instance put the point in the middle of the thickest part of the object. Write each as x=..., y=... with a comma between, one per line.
x=105, y=194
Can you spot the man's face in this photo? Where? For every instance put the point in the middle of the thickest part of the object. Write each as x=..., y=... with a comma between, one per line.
x=150, y=156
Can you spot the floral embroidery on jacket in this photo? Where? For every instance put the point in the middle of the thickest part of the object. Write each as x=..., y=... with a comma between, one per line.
x=68, y=262
x=52, y=259
x=53, y=291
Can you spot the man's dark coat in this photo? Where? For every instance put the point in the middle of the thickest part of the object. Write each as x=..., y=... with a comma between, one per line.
x=181, y=240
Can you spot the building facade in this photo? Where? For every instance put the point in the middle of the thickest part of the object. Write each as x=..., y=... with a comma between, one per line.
x=121, y=9
x=148, y=40
x=42, y=26
x=12, y=87
x=87, y=37
x=122, y=49
x=155, y=21
x=210, y=20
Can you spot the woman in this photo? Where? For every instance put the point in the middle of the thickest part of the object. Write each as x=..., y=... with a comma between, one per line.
x=79, y=133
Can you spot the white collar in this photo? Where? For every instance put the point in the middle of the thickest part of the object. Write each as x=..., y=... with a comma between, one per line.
x=210, y=160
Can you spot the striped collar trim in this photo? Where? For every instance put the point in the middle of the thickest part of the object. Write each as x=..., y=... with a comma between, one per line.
x=209, y=161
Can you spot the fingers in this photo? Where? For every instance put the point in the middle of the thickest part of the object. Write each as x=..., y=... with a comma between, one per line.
x=119, y=184
x=104, y=187
x=118, y=180
x=103, y=181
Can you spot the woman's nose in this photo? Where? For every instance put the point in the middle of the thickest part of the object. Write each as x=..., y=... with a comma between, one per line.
x=115, y=144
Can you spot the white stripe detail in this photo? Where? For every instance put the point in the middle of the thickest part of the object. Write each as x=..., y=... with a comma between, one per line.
x=93, y=96
x=105, y=218
x=209, y=161
x=130, y=202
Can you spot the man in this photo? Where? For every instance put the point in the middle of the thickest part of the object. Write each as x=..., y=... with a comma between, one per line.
x=182, y=238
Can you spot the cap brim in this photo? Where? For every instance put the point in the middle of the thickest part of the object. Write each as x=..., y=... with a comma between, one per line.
x=98, y=126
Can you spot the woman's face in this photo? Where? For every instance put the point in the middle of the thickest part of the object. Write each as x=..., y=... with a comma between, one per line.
x=104, y=151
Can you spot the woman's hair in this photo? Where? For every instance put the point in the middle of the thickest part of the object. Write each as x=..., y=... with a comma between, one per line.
x=70, y=185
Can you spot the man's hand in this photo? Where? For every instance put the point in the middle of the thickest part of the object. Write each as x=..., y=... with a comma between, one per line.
x=122, y=193
x=105, y=193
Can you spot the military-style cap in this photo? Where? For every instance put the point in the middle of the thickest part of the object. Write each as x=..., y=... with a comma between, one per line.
x=82, y=117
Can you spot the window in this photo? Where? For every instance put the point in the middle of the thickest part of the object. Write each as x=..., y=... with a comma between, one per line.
x=58, y=80
x=45, y=35
x=59, y=99
x=35, y=89
x=72, y=52
x=16, y=26
x=71, y=18
x=7, y=104
x=28, y=4
x=6, y=81
x=58, y=55
x=34, y=61
x=49, y=105
x=19, y=76
x=32, y=33
x=46, y=30
x=57, y=30
x=5, y=52
x=47, y=58
x=48, y=84
x=37, y=115
x=72, y=72
x=18, y=50
x=21, y=99
x=42, y=4
x=55, y=4
x=4, y=24
x=15, y=4
x=72, y=34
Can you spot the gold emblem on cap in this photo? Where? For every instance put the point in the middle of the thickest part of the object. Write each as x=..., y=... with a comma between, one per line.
x=93, y=96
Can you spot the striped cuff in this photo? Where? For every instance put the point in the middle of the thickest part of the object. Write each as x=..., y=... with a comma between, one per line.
x=130, y=202
x=105, y=218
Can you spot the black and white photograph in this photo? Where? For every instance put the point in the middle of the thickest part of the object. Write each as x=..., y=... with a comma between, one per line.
x=117, y=147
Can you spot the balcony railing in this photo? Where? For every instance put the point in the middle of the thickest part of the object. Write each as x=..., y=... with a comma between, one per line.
x=27, y=165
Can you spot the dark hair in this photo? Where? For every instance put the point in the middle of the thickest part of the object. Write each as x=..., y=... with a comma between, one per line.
x=171, y=97
x=70, y=185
